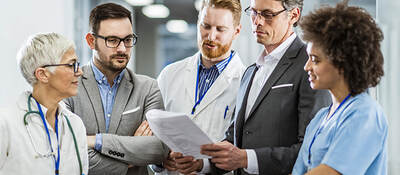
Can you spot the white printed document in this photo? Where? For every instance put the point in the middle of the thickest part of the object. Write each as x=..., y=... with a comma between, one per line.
x=178, y=132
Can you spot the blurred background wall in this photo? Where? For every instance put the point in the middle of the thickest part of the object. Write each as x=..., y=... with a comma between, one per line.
x=162, y=42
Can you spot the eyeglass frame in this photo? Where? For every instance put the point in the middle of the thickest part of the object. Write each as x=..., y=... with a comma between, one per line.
x=75, y=65
x=105, y=38
x=249, y=11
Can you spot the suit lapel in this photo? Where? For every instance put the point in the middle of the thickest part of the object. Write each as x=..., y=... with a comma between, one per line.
x=241, y=102
x=90, y=85
x=279, y=70
x=121, y=100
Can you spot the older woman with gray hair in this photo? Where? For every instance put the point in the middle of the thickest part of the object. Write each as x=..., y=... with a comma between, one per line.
x=38, y=134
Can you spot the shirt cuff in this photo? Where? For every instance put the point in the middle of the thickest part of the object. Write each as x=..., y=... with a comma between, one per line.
x=206, y=167
x=252, y=163
x=157, y=168
x=99, y=142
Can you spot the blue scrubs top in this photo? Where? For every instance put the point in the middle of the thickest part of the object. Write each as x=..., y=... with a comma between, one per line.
x=353, y=141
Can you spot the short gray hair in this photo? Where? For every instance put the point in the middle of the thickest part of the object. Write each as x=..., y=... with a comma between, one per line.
x=291, y=4
x=40, y=50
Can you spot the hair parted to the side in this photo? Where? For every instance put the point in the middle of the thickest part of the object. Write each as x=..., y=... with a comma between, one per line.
x=351, y=39
x=40, y=50
x=107, y=11
x=232, y=5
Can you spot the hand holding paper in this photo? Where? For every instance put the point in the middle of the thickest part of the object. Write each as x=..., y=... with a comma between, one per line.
x=178, y=132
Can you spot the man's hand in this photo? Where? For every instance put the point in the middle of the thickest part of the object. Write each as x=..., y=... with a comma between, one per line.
x=188, y=165
x=143, y=130
x=170, y=163
x=91, y=141
x=185, y=164
x=225, y=155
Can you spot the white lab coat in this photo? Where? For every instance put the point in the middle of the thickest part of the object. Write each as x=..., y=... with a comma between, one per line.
x=17, y=153
x=177, y=83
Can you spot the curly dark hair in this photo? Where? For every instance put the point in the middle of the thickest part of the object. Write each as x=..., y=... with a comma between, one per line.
x=350, y=38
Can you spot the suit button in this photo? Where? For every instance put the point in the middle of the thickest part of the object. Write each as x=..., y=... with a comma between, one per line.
x=122, y=155
x=110, y=152
x=247, y=132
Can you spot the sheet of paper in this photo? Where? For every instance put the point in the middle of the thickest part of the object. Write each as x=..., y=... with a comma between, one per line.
x=178, y=132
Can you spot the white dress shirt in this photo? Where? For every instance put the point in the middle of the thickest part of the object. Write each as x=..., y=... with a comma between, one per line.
x=266, y=63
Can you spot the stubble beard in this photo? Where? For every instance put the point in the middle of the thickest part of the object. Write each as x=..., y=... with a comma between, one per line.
x=111, y=63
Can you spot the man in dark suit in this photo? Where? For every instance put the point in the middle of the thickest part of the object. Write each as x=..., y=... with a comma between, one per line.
x=275, y=102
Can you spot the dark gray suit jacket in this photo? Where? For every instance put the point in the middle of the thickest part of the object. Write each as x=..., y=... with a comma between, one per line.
x=119, y=148
x=278, y=119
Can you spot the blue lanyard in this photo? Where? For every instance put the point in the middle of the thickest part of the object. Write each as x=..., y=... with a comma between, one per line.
x=57, y=161
x=201, y=96
x=322, y=126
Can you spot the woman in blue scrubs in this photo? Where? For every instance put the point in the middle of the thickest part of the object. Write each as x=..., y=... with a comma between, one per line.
x=350, y=136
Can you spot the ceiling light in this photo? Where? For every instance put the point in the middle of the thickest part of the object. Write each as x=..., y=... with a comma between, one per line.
x=177, y=26
x=197, y=4
x=139, y=2
x=156, y=11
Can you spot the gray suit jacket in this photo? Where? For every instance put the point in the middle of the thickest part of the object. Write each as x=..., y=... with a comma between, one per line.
x=120, y=148
x=278, y=119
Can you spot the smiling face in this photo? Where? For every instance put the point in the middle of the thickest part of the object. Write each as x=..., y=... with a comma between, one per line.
x=63, y=80
x=322, y=73
x=111, y=59
x=215, y=33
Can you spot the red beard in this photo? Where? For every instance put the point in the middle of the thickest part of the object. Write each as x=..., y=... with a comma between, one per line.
x=215, y=52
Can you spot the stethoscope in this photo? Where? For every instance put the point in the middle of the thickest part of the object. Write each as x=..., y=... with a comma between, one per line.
x=50, y=154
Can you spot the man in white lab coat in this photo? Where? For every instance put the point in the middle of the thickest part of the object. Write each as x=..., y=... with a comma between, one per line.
x=204, y=86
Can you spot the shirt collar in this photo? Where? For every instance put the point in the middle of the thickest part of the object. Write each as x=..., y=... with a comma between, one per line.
x=220, y=65
x=277, y=53
x=101, y=78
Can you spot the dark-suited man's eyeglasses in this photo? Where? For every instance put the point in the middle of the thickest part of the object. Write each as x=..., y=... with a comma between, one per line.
x=266, y=14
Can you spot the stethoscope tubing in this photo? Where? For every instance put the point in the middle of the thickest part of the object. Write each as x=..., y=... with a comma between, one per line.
x=69, y=126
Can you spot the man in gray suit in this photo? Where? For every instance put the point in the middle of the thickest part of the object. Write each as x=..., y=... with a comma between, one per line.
x=112, y=100
x=275, y=102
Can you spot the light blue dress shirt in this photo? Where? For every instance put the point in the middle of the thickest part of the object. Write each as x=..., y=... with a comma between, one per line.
x=353, y=141
x=107, y=94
